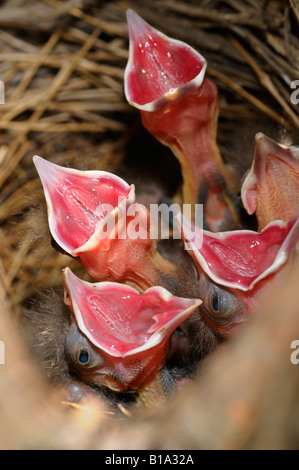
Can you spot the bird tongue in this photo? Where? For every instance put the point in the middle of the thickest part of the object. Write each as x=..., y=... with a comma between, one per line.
x=157, y=64
x=79, y=202
x=241, y=258
x=119, y=320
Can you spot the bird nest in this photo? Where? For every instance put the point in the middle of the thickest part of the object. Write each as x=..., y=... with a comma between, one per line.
x=62, y=66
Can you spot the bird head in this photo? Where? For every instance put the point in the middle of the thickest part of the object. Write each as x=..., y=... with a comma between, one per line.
x=119, y=338
x=271, y=187
x=238, y=268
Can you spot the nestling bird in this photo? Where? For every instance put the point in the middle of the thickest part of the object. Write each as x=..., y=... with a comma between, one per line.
x=130, y=331
x=93, y=215
x=238, y=269
x=271, y=187
x=115, y=342
x=165, y=79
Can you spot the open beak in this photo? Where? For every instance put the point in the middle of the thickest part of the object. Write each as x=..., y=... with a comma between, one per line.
x=240, y=259
x=93, y=215
x=130, y=329
x=238, y=269
x=81, y=204
x=271, y=188
x=159, y=67
x=165, y=79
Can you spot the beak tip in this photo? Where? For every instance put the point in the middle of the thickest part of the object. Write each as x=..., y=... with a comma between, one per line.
x=259, y=136
x=137, y=26
x=36, y=158
x=262, y=145
x=131, y=14
x=43, y=167
x=66, y=271
x=38, y=162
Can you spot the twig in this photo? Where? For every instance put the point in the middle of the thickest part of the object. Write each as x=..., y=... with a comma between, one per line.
x=252, y=99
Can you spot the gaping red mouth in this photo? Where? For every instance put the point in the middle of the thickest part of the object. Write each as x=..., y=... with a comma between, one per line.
x=158, y=65
x=119, y=320
x=79, y=202
x=241, y=258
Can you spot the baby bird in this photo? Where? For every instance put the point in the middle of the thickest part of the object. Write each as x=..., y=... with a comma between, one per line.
x=271, y=187
x=93, y=215
x=238, y=269
x=112, y=341
x=130, y=330
x=165, y=79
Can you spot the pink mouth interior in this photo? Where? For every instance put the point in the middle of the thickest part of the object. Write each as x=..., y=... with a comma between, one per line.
x=117, y=318
x=159, y=65
x=79, y=202
x=240, y=257
x=78, y=208
x=122, y=322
